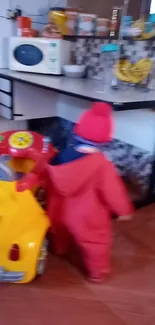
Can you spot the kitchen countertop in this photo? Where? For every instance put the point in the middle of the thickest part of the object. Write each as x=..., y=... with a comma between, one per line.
x=88, y=89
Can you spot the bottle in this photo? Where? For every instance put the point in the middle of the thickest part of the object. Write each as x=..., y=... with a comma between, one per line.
x=24, y=26
x=115, y=21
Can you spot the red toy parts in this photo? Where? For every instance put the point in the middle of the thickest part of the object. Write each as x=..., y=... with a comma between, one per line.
x=30, y=152
x=25, y=144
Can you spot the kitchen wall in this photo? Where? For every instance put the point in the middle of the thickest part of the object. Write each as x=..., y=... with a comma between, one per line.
x=36, y=9
x=152, y=9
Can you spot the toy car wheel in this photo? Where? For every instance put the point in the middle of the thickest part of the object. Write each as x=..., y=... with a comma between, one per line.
x=41, y=265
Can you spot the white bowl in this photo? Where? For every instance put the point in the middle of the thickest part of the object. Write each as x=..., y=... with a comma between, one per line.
x=74, y=71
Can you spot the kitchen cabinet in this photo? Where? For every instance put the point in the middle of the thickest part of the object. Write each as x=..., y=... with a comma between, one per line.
x=103, y=8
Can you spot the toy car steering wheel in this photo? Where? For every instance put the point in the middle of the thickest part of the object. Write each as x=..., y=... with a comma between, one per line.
x=26, y=144
x=21, y=140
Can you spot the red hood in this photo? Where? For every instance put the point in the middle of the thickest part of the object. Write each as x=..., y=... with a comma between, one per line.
x=70, y=177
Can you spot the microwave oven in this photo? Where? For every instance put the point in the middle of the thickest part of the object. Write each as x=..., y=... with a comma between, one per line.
x=38, y=55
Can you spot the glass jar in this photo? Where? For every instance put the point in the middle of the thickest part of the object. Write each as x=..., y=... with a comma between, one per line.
x=58, y=16
x=109, y=56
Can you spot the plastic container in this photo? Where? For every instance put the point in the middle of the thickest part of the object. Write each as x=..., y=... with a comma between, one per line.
x=152, y=18
x=102, y=27
x=71, y=22
x=74, y=71
x=115, y=21
x=58, y=16
x=24, y=26
x=86, y=24
x=109, y=55
x=51, y=31
x=126, y=24
x=151, y=23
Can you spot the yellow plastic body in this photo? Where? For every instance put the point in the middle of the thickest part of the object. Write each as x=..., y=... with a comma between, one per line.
x=22, y=222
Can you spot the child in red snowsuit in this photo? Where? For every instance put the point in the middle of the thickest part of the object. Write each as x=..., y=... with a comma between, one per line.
x=86, y=190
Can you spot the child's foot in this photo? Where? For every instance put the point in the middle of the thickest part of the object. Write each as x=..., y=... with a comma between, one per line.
x=124, y=218
x=95, y=280
x=99, y=279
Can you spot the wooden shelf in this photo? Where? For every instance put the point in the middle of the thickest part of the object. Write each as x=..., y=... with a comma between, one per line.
x=92, y=37
x=74, y=38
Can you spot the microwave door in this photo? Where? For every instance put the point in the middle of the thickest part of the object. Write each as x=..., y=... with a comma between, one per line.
x=28, y=55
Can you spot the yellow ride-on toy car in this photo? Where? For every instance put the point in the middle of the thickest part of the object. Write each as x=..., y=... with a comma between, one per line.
x=24, y=224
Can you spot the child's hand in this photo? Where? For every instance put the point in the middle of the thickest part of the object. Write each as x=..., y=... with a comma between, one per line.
x=124, y=218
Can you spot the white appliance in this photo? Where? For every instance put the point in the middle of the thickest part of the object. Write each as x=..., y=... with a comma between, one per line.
x=38, y=55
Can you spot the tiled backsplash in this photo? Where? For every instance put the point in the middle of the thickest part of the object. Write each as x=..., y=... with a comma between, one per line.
x=88, y=52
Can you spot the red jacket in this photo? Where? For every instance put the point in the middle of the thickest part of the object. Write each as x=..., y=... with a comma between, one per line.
x=84, y=193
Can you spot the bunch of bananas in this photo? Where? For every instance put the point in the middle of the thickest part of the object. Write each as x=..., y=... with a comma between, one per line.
x=133, y=73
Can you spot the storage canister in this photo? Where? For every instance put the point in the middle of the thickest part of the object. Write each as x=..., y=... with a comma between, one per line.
x=86, y=24
x=102, y=27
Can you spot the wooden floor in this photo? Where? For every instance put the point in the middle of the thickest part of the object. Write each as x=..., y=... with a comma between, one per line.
x=63, y=297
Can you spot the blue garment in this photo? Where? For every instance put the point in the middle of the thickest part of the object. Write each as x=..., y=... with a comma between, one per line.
x=77, y=140
x=67, y=155
x=70, y=153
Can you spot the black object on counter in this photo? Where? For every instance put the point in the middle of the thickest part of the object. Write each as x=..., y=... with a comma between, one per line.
x=115, y=21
